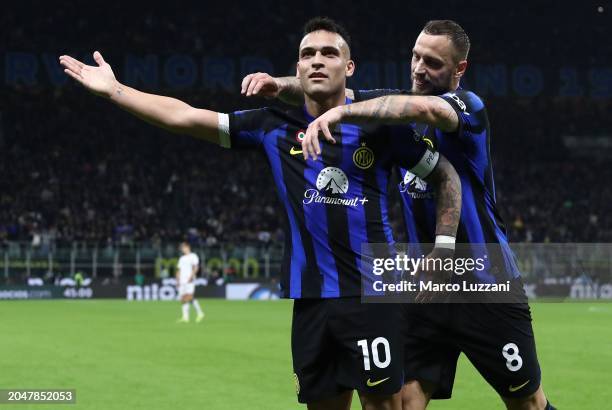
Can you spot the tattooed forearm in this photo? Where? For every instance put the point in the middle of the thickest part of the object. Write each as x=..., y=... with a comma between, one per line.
x=380, y=109
x=387, y=109
x=444, y=115
x=447, y=186
x=384, y=109
x=392, y=109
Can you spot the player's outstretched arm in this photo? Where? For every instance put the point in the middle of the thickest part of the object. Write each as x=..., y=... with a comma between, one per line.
x=164, y=112
x=286, y=89
x=447, y=186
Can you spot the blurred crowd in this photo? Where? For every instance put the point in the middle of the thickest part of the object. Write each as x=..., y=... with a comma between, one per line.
x=75, y=168
x=95, y=174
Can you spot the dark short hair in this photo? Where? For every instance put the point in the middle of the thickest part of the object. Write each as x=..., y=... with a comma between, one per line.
x=453, y=31
x=327, y=24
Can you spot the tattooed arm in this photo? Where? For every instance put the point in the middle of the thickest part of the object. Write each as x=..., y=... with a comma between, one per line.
x=391, y=109
x=447, y=186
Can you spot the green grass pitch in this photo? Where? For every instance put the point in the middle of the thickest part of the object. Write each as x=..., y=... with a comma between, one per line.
x=132, y=355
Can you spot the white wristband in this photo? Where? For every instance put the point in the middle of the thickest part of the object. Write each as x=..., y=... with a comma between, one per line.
x=445, y=241
x=224, y=133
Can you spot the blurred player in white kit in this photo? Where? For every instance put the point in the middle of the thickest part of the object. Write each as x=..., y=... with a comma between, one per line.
x=188, y=266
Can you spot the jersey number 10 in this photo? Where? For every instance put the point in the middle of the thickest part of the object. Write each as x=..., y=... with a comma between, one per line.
x=375, y=357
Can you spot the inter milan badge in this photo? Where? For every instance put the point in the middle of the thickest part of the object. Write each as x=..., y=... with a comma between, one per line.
x=363, y=157
x=300, y=136
x=297, y=383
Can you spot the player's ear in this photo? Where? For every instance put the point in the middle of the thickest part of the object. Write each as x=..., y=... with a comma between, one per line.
x=297, y=70
x=350, y=68
x=461, y=67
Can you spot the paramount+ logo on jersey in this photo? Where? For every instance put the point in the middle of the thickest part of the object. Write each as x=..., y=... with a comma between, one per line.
x=332, y=187
x=333, y=184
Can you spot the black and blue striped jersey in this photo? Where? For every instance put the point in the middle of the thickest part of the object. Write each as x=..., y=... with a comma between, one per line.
x=468, y=150
x=334, y=205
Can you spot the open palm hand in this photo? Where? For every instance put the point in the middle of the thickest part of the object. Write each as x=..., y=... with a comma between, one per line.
x=99, y=79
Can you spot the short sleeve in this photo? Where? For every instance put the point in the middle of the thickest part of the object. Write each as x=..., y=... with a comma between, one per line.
x=411, y=152
x=470, y=111
x=195, y=260
x=242, y=129
x=362, y=95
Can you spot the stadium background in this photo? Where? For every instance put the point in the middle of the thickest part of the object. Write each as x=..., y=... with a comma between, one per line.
x=86, y=189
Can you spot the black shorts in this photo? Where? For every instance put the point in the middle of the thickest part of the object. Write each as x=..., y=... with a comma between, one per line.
x=497, y=339
x=343, y=344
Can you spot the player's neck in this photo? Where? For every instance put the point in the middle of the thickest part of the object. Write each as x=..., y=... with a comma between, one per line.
x=319, y=106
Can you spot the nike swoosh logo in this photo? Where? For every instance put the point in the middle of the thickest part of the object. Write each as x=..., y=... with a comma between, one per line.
x=377, y=382
x=295, y=151
x=512, y=389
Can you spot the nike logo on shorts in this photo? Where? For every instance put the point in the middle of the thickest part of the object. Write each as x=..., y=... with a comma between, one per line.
x=377, y=382
x=512, y=389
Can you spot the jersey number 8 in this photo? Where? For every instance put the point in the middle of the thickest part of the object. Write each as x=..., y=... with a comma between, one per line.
x=511, y=353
